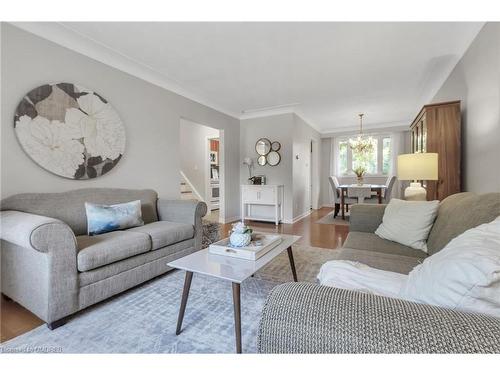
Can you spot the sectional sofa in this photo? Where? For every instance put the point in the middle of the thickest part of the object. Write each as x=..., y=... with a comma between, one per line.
x=310, y=318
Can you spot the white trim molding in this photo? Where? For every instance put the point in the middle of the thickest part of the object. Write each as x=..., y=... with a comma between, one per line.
x=75, y=41
x=231, y=219
x=297, y=218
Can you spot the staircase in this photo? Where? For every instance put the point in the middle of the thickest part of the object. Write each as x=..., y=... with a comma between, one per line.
x=186, y=191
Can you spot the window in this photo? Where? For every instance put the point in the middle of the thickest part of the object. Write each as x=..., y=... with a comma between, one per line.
x=377, y=162
x=369, y=161
x=386, y=155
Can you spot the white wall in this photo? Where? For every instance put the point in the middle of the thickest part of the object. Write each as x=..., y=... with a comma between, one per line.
x=275, y=128
x=303, y=134
x=295, y=136
x=194, y=154
x=476, y=82
x=326, y=197
x=151, y=116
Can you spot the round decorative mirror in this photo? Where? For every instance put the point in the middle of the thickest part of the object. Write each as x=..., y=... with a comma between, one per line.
x=263, y=146
x=273, y=158
x=275, y=146
x=262, y=160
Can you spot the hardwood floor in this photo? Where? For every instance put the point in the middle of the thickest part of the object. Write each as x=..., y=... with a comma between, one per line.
x=317, y=235
x=16, y=320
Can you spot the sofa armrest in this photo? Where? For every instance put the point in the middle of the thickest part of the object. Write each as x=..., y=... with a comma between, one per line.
x=41, y=254
x=35, y=232
x=310, y=318
x=366, y=217
x=184, y=211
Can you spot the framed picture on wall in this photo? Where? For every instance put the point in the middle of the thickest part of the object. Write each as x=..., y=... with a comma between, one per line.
x=214, y=158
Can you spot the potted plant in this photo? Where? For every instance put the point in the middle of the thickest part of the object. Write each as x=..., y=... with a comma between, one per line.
x=360, y=172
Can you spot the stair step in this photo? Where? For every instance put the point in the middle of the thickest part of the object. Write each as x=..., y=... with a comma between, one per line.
x=186, y=192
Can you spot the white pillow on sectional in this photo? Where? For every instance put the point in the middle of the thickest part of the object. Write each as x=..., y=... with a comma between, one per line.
x=465, y=275
x=408, y=222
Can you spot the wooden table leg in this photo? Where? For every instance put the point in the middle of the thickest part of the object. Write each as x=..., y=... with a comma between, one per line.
x=379, y=193
x=292, y=263
x=185, y=294
x=237, y=316
x=342, y=203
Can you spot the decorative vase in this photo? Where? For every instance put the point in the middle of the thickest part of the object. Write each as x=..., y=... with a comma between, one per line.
x=360, y=180
x=240, y=239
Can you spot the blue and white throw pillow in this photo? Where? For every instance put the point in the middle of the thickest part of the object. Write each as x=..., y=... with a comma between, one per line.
x=103, y=218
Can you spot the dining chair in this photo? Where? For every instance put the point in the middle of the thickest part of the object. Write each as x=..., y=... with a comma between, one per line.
x=334, y=183
x=387, y=192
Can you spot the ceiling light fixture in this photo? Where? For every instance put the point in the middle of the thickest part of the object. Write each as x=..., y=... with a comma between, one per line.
x=361, y=144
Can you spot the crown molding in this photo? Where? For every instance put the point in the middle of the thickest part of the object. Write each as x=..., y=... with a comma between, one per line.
x=391, y=126
x=72, y=39
x=266, y=112
x=75, y=41
x=278, y=110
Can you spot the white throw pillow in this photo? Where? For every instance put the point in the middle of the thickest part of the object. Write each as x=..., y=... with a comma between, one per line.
x=408, y=222
x=465, y=275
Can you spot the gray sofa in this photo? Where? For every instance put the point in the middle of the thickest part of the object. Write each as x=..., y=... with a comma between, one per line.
x=310, y=318
x=53, y=268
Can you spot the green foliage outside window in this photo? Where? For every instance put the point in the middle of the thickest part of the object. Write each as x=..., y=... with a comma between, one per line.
x=368, y=160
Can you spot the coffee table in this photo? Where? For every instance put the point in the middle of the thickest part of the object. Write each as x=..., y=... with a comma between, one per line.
x=230, y=269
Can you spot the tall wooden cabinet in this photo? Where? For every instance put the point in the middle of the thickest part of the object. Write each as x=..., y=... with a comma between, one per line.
x=437, y=129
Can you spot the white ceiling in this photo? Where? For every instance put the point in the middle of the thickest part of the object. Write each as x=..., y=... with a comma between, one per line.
x=328, y=72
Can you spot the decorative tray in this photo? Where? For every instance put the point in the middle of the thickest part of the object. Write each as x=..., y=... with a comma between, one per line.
x=260, y=245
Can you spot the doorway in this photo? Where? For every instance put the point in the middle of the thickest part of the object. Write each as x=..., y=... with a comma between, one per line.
x=201, y=150
x=313, y=175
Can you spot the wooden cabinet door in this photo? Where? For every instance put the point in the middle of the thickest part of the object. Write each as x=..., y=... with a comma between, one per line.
x=423, y=127
x=437, y=129
x=443, y=137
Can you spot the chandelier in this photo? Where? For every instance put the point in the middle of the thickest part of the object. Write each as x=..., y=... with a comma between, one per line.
x=361, y=144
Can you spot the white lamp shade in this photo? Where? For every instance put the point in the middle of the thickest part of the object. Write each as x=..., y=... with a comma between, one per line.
x=419, y=166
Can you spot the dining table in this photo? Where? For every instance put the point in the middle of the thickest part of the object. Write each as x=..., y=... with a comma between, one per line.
x=374, y=188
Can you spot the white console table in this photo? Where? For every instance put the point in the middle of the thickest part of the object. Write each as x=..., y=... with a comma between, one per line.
x=262, y=195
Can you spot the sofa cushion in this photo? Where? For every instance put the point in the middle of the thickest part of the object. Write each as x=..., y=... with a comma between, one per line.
x=372, y=242
x=460, y=212
x=383, y=261
x=69, y=206
x=106, y=248
x=109, y=271
x=165, y=233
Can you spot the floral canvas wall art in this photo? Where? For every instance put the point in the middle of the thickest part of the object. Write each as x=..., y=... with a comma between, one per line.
x=70, y=131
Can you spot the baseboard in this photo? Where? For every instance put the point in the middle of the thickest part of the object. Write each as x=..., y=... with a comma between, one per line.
x=297, y=218
x=230, y=219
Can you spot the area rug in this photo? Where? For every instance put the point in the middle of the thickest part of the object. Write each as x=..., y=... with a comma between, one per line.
x=329, y=219
x=143, y=319
x=211, y=232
